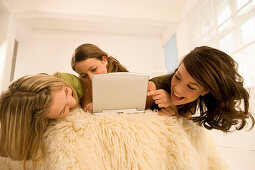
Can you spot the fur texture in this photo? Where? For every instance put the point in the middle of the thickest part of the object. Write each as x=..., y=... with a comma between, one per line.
x=126, y=141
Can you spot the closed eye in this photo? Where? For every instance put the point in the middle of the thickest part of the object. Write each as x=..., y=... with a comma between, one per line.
x=191, y=87
x=66, y=91
x=64, y=108
x=94, y=69
x=178, y=78
x=84, y=76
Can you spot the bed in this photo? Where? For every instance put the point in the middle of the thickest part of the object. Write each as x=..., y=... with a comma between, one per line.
x=126, y=141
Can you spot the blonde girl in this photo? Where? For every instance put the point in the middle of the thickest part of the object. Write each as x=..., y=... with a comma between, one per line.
x=26, y=108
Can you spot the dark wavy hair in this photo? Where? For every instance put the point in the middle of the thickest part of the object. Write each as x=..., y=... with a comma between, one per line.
x=86, y=51
x=227, y=103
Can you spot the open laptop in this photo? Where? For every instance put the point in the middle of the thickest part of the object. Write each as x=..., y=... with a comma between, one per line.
x=120, y=92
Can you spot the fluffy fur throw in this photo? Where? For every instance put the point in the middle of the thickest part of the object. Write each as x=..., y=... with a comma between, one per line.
x=126, y=141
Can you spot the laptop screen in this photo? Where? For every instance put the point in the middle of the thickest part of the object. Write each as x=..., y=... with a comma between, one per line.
x=120, y=90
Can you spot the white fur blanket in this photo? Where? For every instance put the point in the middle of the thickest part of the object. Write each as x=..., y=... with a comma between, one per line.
x=126, y=141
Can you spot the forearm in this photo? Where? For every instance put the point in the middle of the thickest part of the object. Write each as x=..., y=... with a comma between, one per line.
x=149, y=101
x=187, y=115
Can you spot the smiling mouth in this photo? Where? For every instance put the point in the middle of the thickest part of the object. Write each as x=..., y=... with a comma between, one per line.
x=176, y=96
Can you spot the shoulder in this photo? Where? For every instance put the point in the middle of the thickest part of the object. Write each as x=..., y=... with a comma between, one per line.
x=163, y=82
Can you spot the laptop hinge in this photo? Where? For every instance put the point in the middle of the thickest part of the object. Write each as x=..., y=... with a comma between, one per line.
x=120, y=111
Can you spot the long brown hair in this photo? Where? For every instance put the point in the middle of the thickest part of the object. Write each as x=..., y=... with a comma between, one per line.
x=22, y=115
x=86, y=51
x=217, y=72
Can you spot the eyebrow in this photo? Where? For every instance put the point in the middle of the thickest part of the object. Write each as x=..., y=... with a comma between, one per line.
x=64, y=108
x=91, y=67
x=189, y=82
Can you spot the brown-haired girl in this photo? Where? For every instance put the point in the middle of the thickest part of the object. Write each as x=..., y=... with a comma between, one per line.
x=89, y=60
x=207, y=78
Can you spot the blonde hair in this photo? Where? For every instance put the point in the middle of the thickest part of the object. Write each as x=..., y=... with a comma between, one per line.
x=22, y=115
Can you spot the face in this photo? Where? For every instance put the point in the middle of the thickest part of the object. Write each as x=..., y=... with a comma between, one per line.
x=184, y=89
x=89, y=67
x=62, y=101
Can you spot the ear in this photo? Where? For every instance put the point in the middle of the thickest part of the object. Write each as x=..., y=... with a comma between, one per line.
x=205, y=91
x=104, y=60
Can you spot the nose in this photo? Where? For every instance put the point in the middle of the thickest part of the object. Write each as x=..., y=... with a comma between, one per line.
x=178, y=88
x=90, y=75
x=71, y=101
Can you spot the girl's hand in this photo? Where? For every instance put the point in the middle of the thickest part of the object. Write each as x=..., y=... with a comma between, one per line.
x=160, y=97
x=168, y=111
x=89, y=108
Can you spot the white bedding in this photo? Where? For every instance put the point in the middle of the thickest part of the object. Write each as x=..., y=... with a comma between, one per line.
x=126, y=141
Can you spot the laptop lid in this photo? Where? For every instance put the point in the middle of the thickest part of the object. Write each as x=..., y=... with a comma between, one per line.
x=119, y=91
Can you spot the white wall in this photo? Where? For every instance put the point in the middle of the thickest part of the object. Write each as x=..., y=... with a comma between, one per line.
x=3, y=35
x=50, y=51
x=7, y=39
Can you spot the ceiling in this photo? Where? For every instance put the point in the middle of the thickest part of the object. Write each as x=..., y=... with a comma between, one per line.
x=143, y=17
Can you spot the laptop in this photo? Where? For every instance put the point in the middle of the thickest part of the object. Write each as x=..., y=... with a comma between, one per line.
x=119, y=92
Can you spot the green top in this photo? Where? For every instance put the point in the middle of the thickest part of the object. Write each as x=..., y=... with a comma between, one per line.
x=73, y=81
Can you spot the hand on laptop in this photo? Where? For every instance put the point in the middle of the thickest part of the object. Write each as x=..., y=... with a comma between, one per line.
x=88, y=108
